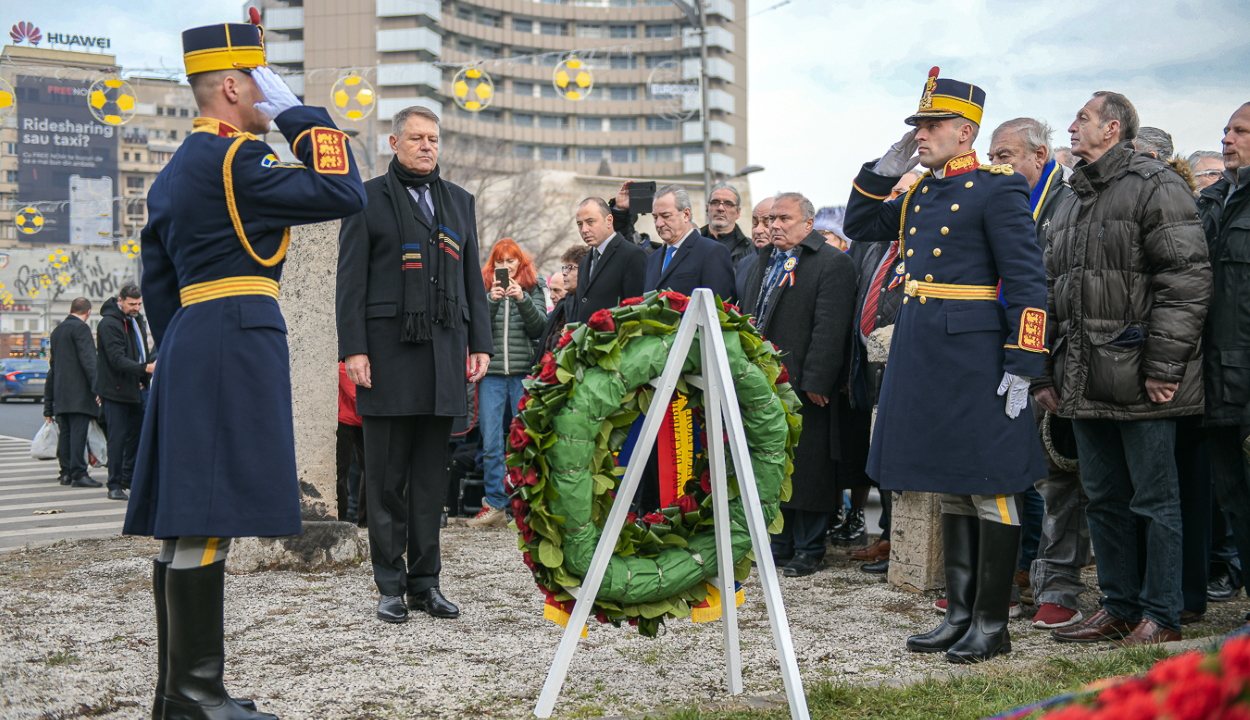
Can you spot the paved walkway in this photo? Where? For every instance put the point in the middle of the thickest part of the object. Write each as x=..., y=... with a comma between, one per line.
x=28, y=486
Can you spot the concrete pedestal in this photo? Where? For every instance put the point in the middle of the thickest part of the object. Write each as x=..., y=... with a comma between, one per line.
x=916, y=558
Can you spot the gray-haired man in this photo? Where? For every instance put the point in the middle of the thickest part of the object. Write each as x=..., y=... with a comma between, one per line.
x=723, y=210
x=688, y=260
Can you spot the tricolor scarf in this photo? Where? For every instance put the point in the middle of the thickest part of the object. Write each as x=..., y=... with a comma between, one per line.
x=1038, y=194
x=449, y=283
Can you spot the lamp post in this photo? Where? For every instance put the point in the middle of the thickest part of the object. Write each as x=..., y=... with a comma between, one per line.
x=354, y=134
x=698, y=20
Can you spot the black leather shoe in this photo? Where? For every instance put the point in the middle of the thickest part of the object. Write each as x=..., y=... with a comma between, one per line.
x=1221, y=588
x=851, y=530
x=433, y=603
x=391, y=609
x=802, y=565
x=879, y=567
x=86, y=482
x=118, y=494
x=64, y=480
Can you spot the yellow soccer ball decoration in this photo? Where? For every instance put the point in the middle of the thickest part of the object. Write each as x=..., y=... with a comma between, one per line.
x=28, y=220
x=130, y=248
x=8, y=99
x=473, y=89
x=353, y=97
x=572, y=79
x=57, y=258
x=112, y=100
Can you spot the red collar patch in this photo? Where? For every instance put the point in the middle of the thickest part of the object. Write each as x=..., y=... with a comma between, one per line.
x=961, y=164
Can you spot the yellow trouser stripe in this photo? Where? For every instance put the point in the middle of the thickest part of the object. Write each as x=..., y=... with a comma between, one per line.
x=1002, y=508
x=210, y=551
x=227, y=287
x=951, y=292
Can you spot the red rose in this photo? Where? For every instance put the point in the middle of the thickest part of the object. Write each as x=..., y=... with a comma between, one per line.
x=687, y=503
x=519, y=507
x=525, y=400
x=1180, y=668
x=729, y=306
x=1236, y=712
x=676, y=300
x=530, y=477
x=631, y=301
x=601, y=320
x=1194, y=699
x=631, y=517
x=1136, y=707
x=705, y=482
x=517, y=435
x=1072, y=712
x=655, y=518
x=565, y=339
x=513, y=481
x=527, y=533
x=548, y=375
x=1116, y=694
x=529, y=561
x=601, y=616
x=784, y=377
x=1235, y=657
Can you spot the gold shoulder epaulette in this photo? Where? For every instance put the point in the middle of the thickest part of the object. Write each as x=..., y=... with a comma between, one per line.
x=999, y=169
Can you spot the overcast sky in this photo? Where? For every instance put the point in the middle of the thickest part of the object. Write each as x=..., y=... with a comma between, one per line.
x=831, y=81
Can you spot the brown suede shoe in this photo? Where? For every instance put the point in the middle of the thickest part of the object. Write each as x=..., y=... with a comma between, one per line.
x=1102, y=625
x=879, y=550
x=1149, y=632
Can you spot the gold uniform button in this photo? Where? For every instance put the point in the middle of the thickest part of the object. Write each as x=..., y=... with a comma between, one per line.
x=916, y=209
x=928, y=278
x=910, y=252
x=937, y=252
x=954, y=207
x=907, y=276
x=968, y=184
x=946, y=231
x=912, y=231
x=923, y=300
x=924, y=190
x=904, y=299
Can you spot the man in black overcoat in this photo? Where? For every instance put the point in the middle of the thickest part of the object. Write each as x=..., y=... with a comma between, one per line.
x=802, y=295
x=687, y=260
x=67, y=394
x=123, y=369
x=413, y=328
x=614, y=269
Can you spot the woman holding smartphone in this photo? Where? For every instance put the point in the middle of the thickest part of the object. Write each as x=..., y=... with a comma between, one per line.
x=518, y=316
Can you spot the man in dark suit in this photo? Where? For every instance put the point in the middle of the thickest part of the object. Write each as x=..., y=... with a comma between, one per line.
x=412, y=316
x=614, y=269
x=759, y=239
x=688, y=260
x=67, y=395
x=123, y=370
x=802, y=295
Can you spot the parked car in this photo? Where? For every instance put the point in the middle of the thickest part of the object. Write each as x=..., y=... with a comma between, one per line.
x=23, y=378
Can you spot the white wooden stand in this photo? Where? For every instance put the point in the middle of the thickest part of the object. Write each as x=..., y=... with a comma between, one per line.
x=720, y=411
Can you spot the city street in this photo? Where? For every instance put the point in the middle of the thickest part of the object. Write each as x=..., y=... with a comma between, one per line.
x=21, y=418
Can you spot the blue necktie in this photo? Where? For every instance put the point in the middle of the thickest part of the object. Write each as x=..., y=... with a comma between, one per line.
x=668, y=255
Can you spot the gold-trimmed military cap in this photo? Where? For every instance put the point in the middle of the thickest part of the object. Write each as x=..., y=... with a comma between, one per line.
x=946, y=98
x=227, y=46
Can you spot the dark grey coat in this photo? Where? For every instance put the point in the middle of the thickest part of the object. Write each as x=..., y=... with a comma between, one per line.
x=1227, y=334
x=408, y=378
x=72, y=359
x=811, y=323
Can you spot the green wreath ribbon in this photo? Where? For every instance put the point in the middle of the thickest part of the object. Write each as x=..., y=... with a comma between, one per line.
x=575, y=417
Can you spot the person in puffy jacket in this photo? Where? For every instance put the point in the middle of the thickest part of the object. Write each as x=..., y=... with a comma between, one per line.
x=518, y=316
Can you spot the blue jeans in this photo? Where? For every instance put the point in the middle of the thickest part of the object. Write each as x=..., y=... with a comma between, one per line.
x=1128, y=468
x=497, y=398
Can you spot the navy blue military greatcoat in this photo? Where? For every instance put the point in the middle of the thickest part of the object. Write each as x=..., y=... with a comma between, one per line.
x=217, y=453
x=941, y=426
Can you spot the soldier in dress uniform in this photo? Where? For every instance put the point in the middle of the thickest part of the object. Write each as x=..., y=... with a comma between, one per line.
x=216, y=457
x=966, y=239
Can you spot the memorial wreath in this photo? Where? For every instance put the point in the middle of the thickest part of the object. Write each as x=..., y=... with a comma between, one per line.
x=563, y=472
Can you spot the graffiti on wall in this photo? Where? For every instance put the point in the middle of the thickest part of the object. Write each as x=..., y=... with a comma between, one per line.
x=64, y=273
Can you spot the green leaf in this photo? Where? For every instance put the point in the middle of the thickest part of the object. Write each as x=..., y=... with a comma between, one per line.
x=655, y=609
x=549, y=554
x=603, y=483
x=562, y=375
x=673, y=540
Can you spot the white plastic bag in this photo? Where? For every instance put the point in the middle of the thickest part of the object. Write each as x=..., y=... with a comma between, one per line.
x=97, y=446
x=43, y=447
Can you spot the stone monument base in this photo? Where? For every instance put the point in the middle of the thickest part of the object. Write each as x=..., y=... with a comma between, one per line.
x=916, y=558
x=324, y=545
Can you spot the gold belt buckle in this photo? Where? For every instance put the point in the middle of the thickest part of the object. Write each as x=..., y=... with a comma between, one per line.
x=912, y=287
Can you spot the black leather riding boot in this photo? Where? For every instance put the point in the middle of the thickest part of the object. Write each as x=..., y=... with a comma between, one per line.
x=996, y=569
x=195, y=648
x=959, y=544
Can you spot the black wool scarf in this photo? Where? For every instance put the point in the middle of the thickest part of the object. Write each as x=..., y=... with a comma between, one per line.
x=449, y=284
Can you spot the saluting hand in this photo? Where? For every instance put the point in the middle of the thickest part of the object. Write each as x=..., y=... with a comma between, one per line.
x=900, y=158
x=278, y=97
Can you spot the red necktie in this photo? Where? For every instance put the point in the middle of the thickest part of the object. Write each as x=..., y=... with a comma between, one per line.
x=872, y=301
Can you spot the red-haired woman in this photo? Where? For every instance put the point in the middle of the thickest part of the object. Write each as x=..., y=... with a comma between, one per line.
x=518, y=315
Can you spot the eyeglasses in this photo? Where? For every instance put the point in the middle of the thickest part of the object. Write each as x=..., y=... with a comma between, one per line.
x=1205, y=173
x=568, y=268
x=726, y=204
x=766, y=220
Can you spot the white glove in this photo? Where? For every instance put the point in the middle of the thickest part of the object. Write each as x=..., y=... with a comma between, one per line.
x=278, y=97
x=1016, y=389
x=900, y=158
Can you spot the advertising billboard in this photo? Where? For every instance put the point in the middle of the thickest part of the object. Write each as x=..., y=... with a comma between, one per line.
x=67, y=162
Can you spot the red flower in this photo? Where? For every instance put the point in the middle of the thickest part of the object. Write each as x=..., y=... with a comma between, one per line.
x=1071, y=712
x=513, y=481
x=1135, y=707
x=631, y=301
x=1196, y=698
x=519, y=507
x=1236, y=712
x=1235, y=657
x=527, y=533
x=729, y=306
x=548, y=375
x=565, y=339
x=529, y=561
x=517, y=435
x=631, y=517
x=525, y=400
x=601, y=320
x=1178, y=669
x=601, y=616
x=655, y=518
x=687, y=503
x=676, y=300
x=705, y=482
x=784, y=377
x=1126, y=690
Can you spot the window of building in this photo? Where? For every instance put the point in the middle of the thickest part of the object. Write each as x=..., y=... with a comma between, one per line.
x=173, y=134
x=553, y=28
x=465, y=46
x=548, y=90
x=523, y=152
x=623, y=92
x=139, y=158
x=160, y=110
x=661, y=154
x=464, y=12
x=556, y=154
x=653, y=60
x=522, y=119
x=134, y=182
x=520, y=52
x=10, y=148
x=627, y=62
x=590, y=31
x=135, y=208
x=551, y=60
x=161, y=157
x=184, y=112
x=10, y=176
x=523, y=88
x=655, y=123
x=659, y=31
x=553, y=122
x=126, y=156
x=624, y=124
x=522, y=26
x=171, y=112
x=591, y=124
x=157, y=134
x=623, y=154
x=623, y=31
x=490, y=19
x=490, y=51
x=19, y=325
x=589, y=154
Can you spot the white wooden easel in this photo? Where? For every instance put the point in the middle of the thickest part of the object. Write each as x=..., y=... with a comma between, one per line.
x=720, y=410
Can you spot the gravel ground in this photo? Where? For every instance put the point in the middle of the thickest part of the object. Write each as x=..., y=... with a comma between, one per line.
x=77, y=638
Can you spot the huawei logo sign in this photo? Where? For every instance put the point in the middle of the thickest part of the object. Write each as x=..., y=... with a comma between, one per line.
x=25, y=31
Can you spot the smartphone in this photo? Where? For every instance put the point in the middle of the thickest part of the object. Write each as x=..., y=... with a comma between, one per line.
x=501, y=277
x=641, y=194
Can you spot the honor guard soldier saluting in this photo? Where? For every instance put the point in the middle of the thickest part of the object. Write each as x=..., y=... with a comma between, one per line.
x=962, y=233
x=216, y=456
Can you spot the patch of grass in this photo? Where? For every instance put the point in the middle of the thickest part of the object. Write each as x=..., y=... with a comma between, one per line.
x=61, y=657
x=990, y=690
